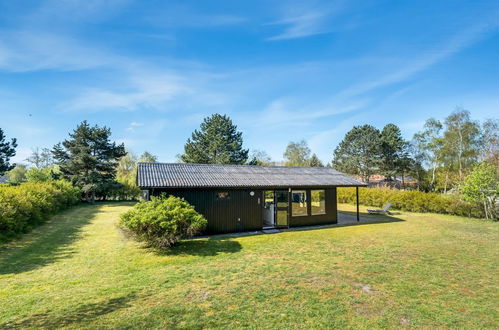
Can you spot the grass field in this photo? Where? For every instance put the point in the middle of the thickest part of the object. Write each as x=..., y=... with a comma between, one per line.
x=424, y=270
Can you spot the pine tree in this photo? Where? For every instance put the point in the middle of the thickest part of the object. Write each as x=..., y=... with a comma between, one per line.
x=217, y=142
x=359, y=153
x=147, y=157
x=7, y=151
x=315, y=161
x=393, y=151
x=89, y=160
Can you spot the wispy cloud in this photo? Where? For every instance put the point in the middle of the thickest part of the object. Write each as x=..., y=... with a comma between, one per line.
x=133, y=125
x=429, y=58
x=176, y=15
x=74, y=11
x=136, y=90
x=143, y=134
x=29, y=50
x=301, y=20
x=292, y=113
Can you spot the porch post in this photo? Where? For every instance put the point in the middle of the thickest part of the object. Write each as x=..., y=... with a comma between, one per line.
x=357, y=193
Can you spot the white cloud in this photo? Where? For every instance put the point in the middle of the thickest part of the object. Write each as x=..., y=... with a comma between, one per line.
x=137, y=90
x=301, y=26
x=26, y=50
x=302, y=20
x=430, y=57
x=172, y=15
x=133, y=125
x=289, y=113
x=74, y=11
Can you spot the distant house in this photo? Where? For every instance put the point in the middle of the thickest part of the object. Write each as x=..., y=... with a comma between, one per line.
x=398, y=182
x=237, y=198
x=3, y=178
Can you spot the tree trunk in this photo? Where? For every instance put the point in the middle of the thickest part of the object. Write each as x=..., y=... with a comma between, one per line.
x=432, y=183
x=460, y=155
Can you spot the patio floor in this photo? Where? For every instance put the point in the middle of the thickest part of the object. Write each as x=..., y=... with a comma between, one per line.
x=344, y=219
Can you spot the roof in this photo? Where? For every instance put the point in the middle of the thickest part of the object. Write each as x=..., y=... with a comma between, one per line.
x=168, y=175
x=3, y=178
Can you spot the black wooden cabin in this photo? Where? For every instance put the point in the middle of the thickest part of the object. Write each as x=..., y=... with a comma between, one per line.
x=236, y=198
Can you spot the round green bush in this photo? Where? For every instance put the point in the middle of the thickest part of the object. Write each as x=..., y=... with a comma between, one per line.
x=163, y=221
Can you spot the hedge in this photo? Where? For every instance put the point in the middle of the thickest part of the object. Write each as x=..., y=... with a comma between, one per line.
x=163, y=221
x=412, y=201
x=28, y=204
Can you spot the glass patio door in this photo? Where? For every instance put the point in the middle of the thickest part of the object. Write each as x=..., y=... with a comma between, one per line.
x=281, y=201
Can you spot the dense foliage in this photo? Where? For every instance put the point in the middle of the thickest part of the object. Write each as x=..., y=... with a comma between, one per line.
x=28, y=204
x=217, y=142
x=450, y=149
x=297, y=154
x=481, y=186
x=412, y=200
x=147, y=157
x=36, y=174
x=163, y=221
x=89, y=160
x=7, y=151
x=359, y=153
x=260, y=158
x=314, y=161
x=17, y=174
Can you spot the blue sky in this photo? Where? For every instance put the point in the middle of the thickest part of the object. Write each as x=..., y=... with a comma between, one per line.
x=282, y=70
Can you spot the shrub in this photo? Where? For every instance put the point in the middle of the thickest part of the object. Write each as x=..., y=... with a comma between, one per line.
x=163, y=221
x=412, y=201
x=124, y=191
x=28, y=204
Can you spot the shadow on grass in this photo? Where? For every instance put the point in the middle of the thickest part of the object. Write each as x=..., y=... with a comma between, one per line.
x=48, y=243
x=204, y=247
x=349, y=218
x=85, y=312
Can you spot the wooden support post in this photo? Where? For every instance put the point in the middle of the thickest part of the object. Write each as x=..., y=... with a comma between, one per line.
x=357, y=192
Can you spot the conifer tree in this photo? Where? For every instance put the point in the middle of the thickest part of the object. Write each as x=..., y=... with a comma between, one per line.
x=216, y=142
x=89, y=159
x=315, y=161
x=7, y=151
x=359, y=152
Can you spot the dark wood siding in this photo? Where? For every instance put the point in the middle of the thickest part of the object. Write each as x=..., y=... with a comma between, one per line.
x=239, y=212
x=331, y=215
x=243, y=212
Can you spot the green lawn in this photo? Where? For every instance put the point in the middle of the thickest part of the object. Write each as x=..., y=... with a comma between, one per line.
x=425, y=270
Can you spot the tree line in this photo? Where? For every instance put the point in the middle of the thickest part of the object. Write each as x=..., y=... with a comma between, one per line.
x=440, y=156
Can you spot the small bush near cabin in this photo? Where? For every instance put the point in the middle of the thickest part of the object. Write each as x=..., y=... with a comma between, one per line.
x=412, y=201
x=28, y=204
x=163, y=221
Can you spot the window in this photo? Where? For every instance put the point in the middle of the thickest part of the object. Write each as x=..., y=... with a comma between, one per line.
x=268, y=198
x=223, y=195
x=318, y=201
x=299, y=202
